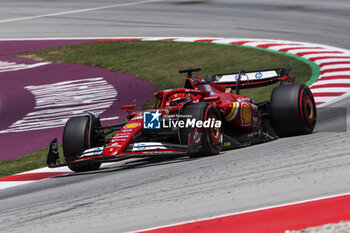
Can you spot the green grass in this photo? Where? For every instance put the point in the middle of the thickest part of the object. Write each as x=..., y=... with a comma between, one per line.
x=32, y=161
x=159, y=62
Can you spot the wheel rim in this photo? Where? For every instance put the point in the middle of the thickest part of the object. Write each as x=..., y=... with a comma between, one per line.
x=195, y=136
x=215, y=135
x=309, y=110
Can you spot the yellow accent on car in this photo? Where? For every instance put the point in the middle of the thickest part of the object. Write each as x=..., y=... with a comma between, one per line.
x=234, y=105
x=246, y=114
x=132, y=125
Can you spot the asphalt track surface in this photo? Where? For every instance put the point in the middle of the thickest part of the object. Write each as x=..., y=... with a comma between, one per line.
x=132, y=196
x=318, y=21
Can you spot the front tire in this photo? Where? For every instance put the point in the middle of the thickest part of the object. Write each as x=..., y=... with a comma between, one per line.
x=292, y=110
x=209, y=140
x=77, y=137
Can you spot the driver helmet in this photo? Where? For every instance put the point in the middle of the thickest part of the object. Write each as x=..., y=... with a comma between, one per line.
x=178, y=98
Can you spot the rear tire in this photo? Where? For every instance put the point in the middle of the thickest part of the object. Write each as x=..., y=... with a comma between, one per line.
x=210, y=139
x=77, y=138
x=292, y=110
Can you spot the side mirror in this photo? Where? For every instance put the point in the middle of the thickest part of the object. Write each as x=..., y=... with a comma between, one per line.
x=128, y=108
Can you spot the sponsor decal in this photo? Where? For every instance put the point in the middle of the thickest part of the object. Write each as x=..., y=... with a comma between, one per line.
x=258, y=75
x=151, y=120
x=131, y=126
x=248, y=76
x=122, y=136
x=94, y=149
x=92, y=152
x=245, y=114
x=209, y=89
x=115, y=145
x=126, y=130
x=146, y=146
x=139, y=147
x=243, y=99
x=118, y=139
x=243, y=77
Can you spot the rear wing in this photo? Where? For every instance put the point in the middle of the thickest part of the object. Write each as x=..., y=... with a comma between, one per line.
x=252, y=78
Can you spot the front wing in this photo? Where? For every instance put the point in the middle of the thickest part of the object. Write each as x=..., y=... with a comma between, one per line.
x=169, y=151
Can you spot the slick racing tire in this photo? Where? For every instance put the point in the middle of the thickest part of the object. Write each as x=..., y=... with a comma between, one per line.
x=77, y=138
x=208, y=141
x=292, y=110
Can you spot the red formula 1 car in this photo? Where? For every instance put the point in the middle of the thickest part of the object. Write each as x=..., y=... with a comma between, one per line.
x=201, y=119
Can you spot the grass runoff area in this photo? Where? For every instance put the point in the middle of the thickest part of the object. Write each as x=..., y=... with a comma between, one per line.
x=159, y=63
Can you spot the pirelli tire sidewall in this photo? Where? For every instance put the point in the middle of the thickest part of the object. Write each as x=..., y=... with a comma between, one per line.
x=292, y=110
x=77, y=138
x=211, y=138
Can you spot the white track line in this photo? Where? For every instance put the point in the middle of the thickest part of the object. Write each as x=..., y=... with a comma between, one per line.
x=78, y=11
x=10, y=184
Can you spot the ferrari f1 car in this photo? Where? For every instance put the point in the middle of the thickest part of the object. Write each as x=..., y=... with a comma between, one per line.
x=203, y=118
